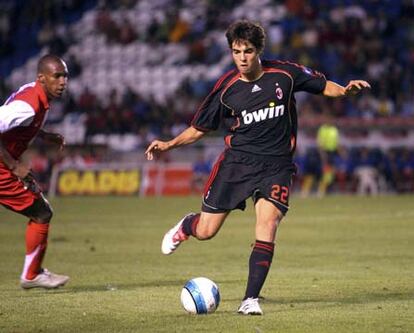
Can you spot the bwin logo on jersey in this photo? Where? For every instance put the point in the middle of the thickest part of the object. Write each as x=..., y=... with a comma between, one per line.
x=263, y=114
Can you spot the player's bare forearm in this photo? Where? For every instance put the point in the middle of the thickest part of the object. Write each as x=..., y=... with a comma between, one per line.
x=333, y=89
x=188, y=136
x=19, y=169
x=54, y=138
x=6, y=158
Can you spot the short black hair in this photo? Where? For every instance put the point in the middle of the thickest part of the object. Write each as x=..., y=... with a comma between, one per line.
x=244, y=30
x=47, y=59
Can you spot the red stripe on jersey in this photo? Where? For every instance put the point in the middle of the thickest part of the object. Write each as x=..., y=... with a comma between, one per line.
x=214, y=172
x=292, y=105
x=227, y=140
x=234, y=79
x=312, y=72
x=292, y=143
x=274, y=70
x=216, y=87
x=222, y=78
x=201, y=129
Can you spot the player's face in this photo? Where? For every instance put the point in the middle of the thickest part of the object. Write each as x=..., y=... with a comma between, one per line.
x=54, y=80
x=246, y=58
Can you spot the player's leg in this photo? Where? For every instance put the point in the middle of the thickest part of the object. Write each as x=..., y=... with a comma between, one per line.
x=205, y=225
x=202, y=226
x=268, y=217
x=40, y=213
x=271, y=204
x=37, y=230
x=25, y=197
x=220, y=197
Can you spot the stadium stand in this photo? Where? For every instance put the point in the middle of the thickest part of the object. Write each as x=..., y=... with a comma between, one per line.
x=140, y=68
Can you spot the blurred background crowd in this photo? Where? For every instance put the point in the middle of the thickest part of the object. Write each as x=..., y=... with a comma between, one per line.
x=139, y=69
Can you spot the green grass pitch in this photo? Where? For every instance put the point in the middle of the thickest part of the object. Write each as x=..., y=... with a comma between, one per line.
x=342, y=264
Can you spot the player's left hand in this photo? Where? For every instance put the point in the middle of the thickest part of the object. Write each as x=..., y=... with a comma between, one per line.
x=355, y=86
x=54, y=138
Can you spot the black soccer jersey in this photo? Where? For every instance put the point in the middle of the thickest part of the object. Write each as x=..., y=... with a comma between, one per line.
x=260, y=116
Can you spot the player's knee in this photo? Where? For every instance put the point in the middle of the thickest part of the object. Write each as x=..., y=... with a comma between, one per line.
x=271, y=223
x=278, y=219
x=44, y=215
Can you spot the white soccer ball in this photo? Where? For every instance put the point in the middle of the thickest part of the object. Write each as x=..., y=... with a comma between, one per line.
x=200, y=296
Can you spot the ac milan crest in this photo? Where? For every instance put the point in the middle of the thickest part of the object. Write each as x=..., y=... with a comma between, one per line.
x=279, y=93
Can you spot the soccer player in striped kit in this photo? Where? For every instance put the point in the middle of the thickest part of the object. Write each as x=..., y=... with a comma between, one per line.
x=21, y=120
x=256, y=104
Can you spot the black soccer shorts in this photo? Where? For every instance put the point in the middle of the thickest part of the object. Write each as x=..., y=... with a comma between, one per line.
x=237, y=176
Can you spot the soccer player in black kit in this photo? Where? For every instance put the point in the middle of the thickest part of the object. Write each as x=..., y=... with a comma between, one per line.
x=255, y=102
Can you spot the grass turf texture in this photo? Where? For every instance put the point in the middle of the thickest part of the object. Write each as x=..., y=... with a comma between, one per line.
x=342, y=264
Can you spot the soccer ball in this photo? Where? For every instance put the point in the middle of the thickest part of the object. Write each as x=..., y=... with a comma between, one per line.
x=200, y=296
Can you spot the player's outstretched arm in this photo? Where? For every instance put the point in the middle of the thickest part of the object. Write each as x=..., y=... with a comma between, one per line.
x=186, y=137
x=333, y=89
x=20, y=169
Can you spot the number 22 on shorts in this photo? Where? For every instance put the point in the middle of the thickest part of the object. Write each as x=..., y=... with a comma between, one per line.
x=280, y=193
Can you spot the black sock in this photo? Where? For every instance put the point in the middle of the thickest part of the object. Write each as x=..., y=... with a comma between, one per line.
x=190, y=224
x=259, y=264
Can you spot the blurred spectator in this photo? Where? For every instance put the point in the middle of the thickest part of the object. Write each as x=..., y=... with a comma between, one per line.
x=327, y=139
x=87, y=101
x=106, y=25
x=342, y=174
x=366, y=174
x=370, y=39
x=180, y=28
x=4, y=90
x=312, y=171
x=126, y=32
x=74, y=67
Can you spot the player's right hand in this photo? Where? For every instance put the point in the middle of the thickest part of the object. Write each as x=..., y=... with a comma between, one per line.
x=21, y=170
x=355, y=86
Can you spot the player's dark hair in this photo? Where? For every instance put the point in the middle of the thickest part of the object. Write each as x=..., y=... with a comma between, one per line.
x=44, y=62
x=245, y=30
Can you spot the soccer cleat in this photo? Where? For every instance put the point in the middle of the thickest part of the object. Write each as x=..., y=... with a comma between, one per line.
x=174, y=237
x=45, y=279
x=250, y=306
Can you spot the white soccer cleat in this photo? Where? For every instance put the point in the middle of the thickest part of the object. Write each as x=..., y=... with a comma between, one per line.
x=174, y=237
x=46, y=279
x=250, y=306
